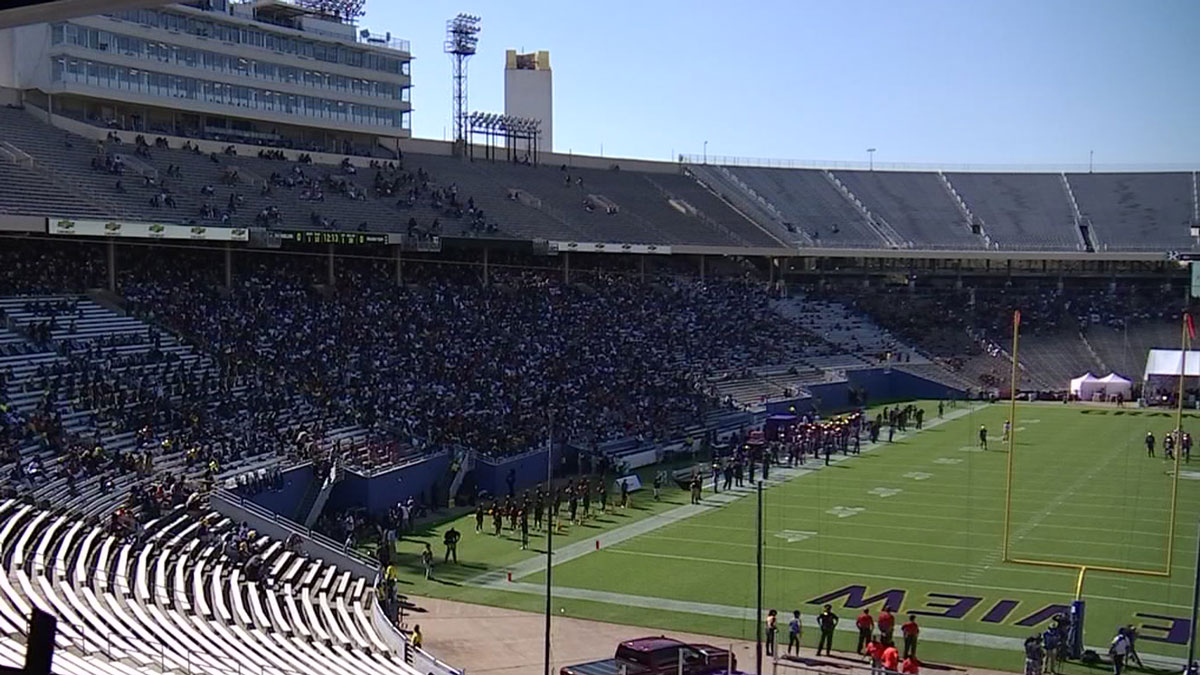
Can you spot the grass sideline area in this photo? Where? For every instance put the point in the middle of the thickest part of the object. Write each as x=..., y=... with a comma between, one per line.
x=917, y=524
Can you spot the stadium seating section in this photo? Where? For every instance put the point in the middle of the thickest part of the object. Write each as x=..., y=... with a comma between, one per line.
x=47, y=170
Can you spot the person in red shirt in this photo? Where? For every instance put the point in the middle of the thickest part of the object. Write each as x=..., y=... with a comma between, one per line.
x=865, y=625
x=886, y=623
x=890, y=657
x=910, y=631
x=874, y=651
x=910, y=666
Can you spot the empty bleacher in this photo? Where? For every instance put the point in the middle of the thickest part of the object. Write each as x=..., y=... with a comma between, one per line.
x=1136, y=211
x=811, y=203
x=1124, y=350
x=916, y=205
x=1025, y=211
x=182, y=595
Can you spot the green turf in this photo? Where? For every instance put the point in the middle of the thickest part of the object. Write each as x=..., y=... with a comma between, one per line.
x=922, y=518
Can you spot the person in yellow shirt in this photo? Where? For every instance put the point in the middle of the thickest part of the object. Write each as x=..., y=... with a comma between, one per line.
x=416, y=636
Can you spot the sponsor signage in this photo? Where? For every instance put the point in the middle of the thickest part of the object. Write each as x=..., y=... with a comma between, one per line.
x=601, y=247
x=120, y=229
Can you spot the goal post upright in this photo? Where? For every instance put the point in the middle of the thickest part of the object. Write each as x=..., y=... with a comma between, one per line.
x=1012, y=429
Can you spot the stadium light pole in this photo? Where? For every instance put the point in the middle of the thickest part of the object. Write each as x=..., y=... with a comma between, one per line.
x=705, y=152
x=871, y=159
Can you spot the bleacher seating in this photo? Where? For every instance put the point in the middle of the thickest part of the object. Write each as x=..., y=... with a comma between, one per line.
x=1123, y=350
x=916, y=205
x=1136, y=211
x=125, y=605
x=811, y=203
x=1020, y=211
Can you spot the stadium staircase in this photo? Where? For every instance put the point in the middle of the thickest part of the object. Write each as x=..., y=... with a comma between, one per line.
x=975, y=224
x=1082, y=225
x=881, y=227
x=744, y=200
x=317, y=494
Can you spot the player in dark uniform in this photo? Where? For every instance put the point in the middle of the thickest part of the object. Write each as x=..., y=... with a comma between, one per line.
x=983, y=437
x=524, y=529
x=826, y=622
x=537, y=510
x=1169, y=445
x=497, y=519
x=1149, y=444
x=585, y=490
x=450, y=539
x=573, y=505
x=1186, y=447
x=478, y=517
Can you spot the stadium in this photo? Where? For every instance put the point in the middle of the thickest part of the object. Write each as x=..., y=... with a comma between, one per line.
x=285, y=389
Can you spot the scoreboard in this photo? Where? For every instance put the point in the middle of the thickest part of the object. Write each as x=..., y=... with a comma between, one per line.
x=333, y=237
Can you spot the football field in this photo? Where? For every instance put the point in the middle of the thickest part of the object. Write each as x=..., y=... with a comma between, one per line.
x=917, y=525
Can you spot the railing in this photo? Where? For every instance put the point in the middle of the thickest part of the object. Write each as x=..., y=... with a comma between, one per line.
x=418, y=658
x=294, y=527
x=930, y=166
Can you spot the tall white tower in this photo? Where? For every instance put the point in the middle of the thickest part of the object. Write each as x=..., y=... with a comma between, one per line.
x=529, y=92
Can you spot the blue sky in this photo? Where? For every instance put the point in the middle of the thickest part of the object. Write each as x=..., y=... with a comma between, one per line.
x=943, y=81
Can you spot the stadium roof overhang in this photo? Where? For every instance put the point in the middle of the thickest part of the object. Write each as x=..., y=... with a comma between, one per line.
x=22, y=12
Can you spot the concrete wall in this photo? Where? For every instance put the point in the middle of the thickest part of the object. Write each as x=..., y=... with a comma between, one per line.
x=529, y=470
x=285, y=501
x=880, y=385
x=10, y=223
x=379, y=492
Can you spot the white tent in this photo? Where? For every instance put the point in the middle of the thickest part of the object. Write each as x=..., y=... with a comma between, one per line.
x=1113, y=384
x=1163, y=368
x=1084, y=386
x=1166, y=363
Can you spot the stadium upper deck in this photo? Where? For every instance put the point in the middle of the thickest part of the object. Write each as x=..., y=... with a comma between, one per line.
x=70, y=172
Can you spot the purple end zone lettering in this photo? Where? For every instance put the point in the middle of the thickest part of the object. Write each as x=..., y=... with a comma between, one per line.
x=1044, y=614
x=892, y=598
x=1176, y=633
x=1000, y=611
x=954, y=610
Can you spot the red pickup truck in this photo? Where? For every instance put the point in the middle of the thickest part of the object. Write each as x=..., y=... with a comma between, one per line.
x=659, y=656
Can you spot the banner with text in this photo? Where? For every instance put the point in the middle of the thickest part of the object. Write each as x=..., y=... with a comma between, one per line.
x=128, y=230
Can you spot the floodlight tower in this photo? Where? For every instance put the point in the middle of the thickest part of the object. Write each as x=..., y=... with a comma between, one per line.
x=462, y=36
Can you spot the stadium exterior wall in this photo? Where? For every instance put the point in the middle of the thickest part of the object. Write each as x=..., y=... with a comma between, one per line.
x=878, y=383
x=285, y=500
x=529, y=469
x=381, y=491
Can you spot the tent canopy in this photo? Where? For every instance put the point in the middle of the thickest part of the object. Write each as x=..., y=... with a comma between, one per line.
x=1166, y=362
x=1078, y=383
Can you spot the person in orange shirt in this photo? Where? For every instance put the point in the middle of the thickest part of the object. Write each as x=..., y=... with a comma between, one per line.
x=910, y=666
x=886, y=623
x=865, y=625
x=890, y=657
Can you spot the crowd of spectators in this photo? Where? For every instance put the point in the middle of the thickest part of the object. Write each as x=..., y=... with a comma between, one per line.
x=449, y=361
